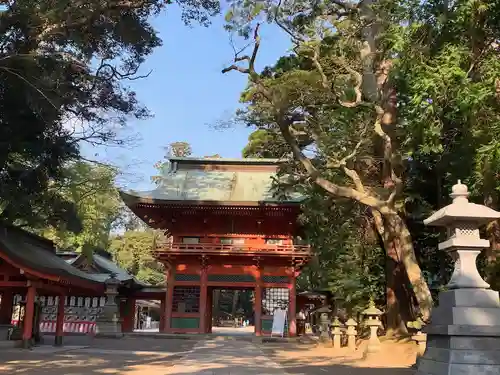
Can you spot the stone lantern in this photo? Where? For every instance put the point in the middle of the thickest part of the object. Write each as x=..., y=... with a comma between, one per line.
x=108, y=322
x=463, y=336
x=372, y=321
x=336, y=333
x=351, y=333
x=324, y=322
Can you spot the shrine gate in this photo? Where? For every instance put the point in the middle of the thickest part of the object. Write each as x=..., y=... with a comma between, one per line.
x=225, y=230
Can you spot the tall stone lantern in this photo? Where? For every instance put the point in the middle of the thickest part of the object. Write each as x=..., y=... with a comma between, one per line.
x=463, y=336
x=108, y=322
x=372, y=315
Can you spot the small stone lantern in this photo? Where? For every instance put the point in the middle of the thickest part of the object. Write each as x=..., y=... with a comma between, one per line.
x=351, y=333
x=324, y=322
x=336, y=333
x=108, y=323
x=372, y=315
x=463, y=336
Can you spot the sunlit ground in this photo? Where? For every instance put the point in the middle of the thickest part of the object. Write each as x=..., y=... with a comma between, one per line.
x=220, y=356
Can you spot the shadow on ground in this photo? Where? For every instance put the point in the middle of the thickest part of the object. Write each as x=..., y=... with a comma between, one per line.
x=149, y=357
x=158, y=357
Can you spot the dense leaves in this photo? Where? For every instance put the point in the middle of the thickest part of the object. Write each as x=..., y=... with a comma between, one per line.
x=64, y=69
x=91, y=189
x=133, y=251
x=383, y=104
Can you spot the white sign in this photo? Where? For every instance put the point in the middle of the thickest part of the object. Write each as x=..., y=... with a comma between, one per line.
x=279, y=319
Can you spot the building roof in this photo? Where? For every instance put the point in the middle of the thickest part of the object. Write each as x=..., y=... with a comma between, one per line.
x=103, y=266
x=36, y=254
x=189, y=180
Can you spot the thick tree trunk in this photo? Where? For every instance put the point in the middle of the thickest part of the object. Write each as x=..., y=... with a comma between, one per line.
x=402, y=270
x=398, y=298
x=397, y=232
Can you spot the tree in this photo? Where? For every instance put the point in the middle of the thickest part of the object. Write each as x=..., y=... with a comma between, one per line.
x=90, y=188
x=174, y=149
x=134, y=252
x=335, y=101
x=347, y=258
x=63, y=73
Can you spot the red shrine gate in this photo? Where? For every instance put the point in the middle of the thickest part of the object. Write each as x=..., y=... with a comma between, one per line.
x=226, y=231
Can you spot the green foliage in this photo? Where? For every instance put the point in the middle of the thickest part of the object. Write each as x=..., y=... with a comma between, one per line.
x=348, y=258
x=64, y=70
x=90, y=188
x=174, y=149
x=133, y=251
x=442, y=67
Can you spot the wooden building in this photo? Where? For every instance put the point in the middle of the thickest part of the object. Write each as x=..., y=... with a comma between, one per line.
x=226, y=230
x=30, y=268
x=43, y=291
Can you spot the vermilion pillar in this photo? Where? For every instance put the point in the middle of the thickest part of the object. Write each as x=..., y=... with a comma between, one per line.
x=258, y=305
x=58, y=341
x=29, y=314
x=203, y=299
x=6, y=307
x=162, y=314
x=169, y=298
x=128, y=315
x=292, y=309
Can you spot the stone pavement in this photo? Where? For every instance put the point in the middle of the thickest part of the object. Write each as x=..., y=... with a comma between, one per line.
x=225, y=356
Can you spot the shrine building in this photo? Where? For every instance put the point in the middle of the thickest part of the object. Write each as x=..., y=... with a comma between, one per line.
x=226, y=230
x=46, y=292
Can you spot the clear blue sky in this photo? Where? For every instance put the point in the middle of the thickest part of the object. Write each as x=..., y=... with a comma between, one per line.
x=187, y=94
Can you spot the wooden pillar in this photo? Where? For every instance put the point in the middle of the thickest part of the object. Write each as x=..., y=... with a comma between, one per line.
x=128, y=315
x=258, y=304
x=292, y=307
x=6, y=307
x=203, y=298
x=169, y=297
x=58, y=341
x=162, y=314
x=29, y=314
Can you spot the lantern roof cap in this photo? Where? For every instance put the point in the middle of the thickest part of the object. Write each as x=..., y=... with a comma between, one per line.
x=462, y=210
x=372, y=310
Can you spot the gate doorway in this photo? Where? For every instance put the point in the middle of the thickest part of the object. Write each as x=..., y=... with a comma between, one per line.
x=232, y=311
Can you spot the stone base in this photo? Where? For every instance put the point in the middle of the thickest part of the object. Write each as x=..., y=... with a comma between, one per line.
x=58, y=341
x=108, y=329
x=4, y=331
x=462, y=355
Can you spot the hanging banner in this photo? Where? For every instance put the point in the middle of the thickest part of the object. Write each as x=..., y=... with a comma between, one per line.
x=279, y=319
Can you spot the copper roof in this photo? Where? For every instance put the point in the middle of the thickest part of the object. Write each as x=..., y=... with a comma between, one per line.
x=191, y=182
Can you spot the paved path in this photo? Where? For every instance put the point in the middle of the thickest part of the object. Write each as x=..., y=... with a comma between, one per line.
x=226, y=357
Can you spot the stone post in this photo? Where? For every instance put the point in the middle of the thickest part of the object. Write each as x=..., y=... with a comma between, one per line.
x=336, y=333
x=351, y=333
x=463, y=336
x=108, y=322
x=372, y=321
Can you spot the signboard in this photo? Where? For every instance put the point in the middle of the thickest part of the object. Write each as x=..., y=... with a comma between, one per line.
x=279, y=319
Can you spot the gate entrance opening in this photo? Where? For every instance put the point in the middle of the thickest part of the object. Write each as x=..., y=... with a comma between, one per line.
x=233, y=311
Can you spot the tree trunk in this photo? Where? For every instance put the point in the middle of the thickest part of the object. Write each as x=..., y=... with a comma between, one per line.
x=215, y=303
x=397, y=232
x=235, y=301
x=398, y=299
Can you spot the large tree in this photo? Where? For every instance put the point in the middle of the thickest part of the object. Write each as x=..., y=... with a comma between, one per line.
x=335, y=103
x=99, y=209
x=64, y=68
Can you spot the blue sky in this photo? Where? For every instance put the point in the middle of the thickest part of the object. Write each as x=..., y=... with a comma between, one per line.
x=187, y=94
